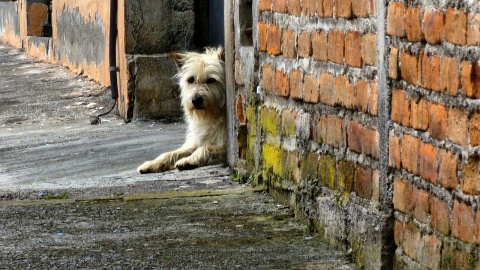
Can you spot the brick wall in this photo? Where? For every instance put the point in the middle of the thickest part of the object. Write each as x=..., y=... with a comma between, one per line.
x=363, y=117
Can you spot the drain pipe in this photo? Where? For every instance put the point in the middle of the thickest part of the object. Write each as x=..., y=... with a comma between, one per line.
x=113, y=49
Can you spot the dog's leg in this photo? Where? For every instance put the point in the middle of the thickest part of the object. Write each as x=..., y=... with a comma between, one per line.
x=203, y=156
x=165, y=161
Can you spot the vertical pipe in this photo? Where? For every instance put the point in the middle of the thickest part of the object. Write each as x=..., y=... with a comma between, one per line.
x=113, y=49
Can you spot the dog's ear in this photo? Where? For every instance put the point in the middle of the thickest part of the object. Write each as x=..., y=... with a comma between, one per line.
x=178, y=57
x=221, y=53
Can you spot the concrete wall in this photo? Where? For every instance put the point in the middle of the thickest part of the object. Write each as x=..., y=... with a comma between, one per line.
x=10, y=23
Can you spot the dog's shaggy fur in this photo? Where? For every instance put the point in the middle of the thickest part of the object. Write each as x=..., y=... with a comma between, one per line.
x=202, y=83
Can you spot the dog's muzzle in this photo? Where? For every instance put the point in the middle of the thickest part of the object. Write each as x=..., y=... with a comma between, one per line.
x=197, y=101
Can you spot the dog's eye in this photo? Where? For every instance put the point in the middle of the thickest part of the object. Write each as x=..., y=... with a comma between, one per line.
x=191, y=80
x=211, y=80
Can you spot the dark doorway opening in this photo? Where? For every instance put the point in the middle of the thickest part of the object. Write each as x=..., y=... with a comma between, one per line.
x=209, y=28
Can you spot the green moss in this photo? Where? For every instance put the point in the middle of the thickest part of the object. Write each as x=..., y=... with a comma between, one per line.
x=56, y=197
x=308, y=166
x=269, y=120
x=251, y=119
x=288, y=123
x=273, y=158
x=326, y=171
x=345, y=176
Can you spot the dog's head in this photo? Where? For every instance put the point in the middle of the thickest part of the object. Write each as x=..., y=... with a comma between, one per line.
x=202, y=81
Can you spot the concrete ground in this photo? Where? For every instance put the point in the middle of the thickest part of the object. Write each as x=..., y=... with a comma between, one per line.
x=70, y=196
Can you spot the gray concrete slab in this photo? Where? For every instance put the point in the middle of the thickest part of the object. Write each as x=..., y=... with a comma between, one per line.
x=70, y=196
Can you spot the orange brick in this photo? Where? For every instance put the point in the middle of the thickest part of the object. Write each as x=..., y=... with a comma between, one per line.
x=373, y=7
x=431, y=72
x=437, y=121
x=336, y=46
x=319, y=46
x=447, y=169
x=319, y=130
x=360, y=8
x=327, y=89
x=463, y=226
x=473, y=30
x=470, y=176
x=288, y=43
x=421, y=209
x=369, y=49
x=334, y=134
x=428, y=162
x=396, y=19
x=410, y=68
x=363, y=182
x=262, y=36
x=471, y=79
x=355, y=136
x=296, y=84
x=449, y=75
x=309, y=7
x=273, y=40
x=371, y=142
x=477, y=227
x=282, y=88
x=410, y=151
x=413, y=24
x=457, y=126
x=280, y=6
x=456, y=26
x=400, y=107
x=412, y=240
x=325, y=8
x=264, y=5
x=304, y=45
x=394, y=150
x=343, y=9
x=353, y=46
x=294, y=7
x=311, y=88
x=433, y=24
x=393, y=64
x=419, y=116
x=475, y=129
x=268, y=78
x=402, y=195
x=373, y=99
x=240, y=110
x=398, y=232
x=440, y=217
x=344, y=92
x=360, y=102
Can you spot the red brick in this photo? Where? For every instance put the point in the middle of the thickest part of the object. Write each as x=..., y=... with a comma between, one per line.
x=421, y=210
x=393, y=64
x=376, y=185
x=264, y=5
x=440, y=216
x=394, y=150
x=319, y=46
x=410, y=151
x=280, y=6
x=262, y=36
x=294, y=7
x=433, y=24
x=334, y=134
x=473, y=30
x=288, y=43
x=396, y=19
x=428, y=162
x=345, y=176
x=344, y=92
x=273, y=40
x=437, y=121
x=363, y=182
x=431, y=72
x=413, y=24
x=430, y=252
x=343, y=8
x=240, y=110
x=410, y=68
x=470, y=176
x=371, y=142
x=282, y=88
x=360, y=8
x=369, y=49
x=355, y=136
x=311, y=88
x=402, y=195
x=398, y=232
x=360, y=101
x=447, y=169
x=304, y=45
x=471, y=79
x=373, y=99
x=477, y=227
x=419, y=117
x=268, y=78
x=457, y=126
x=456, y=26
x=336, y=46
x=412, y=241
x=309, y=7
x=319, y=131
x=327, y=89
x=325, y=8
x=400, y=107
x=475, y=129
x=449, y=75
x=296, y=84
x=353, y=46
x=463, y=226
x=373, y=7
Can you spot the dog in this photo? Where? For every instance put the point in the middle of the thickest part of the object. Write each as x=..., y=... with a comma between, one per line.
x=201, y=77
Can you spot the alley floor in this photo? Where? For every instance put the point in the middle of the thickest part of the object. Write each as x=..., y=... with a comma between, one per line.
x=70, y=196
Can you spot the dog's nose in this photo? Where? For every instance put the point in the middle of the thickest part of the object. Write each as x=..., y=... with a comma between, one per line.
x=197, y=101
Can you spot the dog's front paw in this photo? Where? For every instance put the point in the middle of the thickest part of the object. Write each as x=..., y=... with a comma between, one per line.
x=185, y=164
x=152, y=167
